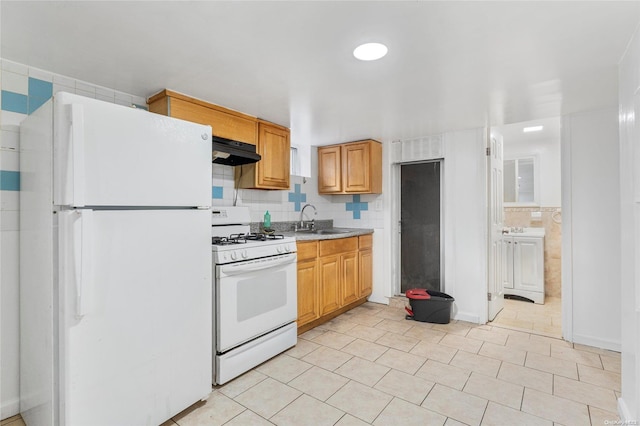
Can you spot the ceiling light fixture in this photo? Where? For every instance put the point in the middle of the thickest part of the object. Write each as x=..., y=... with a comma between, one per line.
x=532, y=129
x=370, y=51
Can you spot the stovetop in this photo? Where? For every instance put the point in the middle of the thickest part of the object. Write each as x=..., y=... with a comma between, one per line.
x=245, y=238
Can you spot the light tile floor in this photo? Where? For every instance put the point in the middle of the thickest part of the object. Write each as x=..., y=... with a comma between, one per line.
x=545, y=319
x=371, y=366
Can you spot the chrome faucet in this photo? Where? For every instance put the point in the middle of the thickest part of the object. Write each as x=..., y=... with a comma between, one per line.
x=315, y=212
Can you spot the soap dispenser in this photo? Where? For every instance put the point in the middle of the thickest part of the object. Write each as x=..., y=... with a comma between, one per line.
x=267, y=220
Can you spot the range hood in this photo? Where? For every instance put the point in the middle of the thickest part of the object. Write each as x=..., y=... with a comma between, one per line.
x=233, y=153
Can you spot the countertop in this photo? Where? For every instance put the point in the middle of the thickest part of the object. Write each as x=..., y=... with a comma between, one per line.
x=344, y=233
x=527, y=232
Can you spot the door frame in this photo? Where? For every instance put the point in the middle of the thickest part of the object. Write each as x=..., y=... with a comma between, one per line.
x=396, y=214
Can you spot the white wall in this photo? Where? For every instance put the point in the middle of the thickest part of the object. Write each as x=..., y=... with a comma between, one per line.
x=591, y=228
x=465, y=223
x=464, y=216
x=629, y=114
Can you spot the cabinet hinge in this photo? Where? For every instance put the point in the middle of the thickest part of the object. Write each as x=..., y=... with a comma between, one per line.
x=489, y=297
x=488, y=151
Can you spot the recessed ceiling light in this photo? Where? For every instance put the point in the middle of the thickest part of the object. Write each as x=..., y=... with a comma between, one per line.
x=532, y=129
x=370, y=51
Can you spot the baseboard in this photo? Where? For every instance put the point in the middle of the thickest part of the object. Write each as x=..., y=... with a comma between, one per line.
x=463, y=316
x=9, y=408
x=378, y=299
x=623, y=412
x=597, y=342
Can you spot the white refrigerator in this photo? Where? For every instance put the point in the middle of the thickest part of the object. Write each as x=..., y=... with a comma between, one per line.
x=115, y=265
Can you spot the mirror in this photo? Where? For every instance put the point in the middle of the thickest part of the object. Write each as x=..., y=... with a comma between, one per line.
x=519, y=181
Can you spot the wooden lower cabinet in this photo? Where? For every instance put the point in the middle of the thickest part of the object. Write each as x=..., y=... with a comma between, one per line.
x=333, y=277
x=349, y=284
x=329, y=284
x=365, y=265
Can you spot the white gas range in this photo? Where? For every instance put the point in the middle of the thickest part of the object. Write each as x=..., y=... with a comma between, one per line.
x=255, y=294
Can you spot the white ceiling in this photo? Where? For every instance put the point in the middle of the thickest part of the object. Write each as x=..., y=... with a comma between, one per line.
x=451, y=65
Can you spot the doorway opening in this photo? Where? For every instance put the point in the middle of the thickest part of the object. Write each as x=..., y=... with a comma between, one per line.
x=532, y=201
x=421, y=259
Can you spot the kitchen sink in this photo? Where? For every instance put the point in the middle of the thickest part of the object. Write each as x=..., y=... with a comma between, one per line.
x=329, y=231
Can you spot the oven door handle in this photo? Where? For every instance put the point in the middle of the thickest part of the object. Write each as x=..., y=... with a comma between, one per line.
x=257, y=265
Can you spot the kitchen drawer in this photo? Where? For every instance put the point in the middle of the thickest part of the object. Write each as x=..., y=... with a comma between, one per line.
x=365, y=241
x=341, y=245
x=307, y=250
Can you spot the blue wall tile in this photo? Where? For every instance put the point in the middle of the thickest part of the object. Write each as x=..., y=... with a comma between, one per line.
x=356, y=206
x=40, y=89
x=14, y=102
x=9, y=180
x=297, y=197
x=216, y=192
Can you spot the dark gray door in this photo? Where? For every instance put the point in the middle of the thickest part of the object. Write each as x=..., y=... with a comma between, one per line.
x=420, y=249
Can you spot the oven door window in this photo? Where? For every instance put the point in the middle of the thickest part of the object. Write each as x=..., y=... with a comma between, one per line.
x=253, y=298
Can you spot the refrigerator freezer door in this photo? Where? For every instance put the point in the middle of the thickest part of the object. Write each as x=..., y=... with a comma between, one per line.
x=111, y=155
x=135, y=316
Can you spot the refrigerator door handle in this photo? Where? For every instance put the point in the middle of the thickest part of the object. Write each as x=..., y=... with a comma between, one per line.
x=82, y=260
x=77, y=147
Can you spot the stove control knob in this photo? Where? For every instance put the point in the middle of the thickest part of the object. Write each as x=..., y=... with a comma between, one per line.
x=279, y=249
x=244, y=254
x=234, y=255
x=288, y=248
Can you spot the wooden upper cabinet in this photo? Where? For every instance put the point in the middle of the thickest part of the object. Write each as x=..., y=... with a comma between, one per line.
x=350, y=168
x=329, y=170
x=272, y=172
x=271, y=140
x=224, y=122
